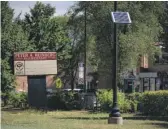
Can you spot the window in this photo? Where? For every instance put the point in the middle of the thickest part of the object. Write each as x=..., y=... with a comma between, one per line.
x=146, y=84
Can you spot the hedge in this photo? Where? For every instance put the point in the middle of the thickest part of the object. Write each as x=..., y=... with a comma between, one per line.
x=155, y=103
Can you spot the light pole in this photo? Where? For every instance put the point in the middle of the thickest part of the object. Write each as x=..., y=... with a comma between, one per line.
x=115, y=110
x=118, y=18
x=85, y=52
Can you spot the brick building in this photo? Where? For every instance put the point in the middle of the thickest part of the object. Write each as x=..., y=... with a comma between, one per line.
x=154, y=76
x=35, y=73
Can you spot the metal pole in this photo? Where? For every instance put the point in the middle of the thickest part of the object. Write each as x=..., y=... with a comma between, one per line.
x=46, y=101
x=155, y=84
x=85, y=51
x=143, y=85
x=115, y=110
x=149, y=85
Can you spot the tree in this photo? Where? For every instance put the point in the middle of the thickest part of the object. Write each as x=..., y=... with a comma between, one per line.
x=143, y=32
x=50, y=33
x=13, y=39
x=134, y=40
x=164, y=23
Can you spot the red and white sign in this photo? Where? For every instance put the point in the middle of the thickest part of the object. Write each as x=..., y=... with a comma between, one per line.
x=20, y=56
x=35, y=63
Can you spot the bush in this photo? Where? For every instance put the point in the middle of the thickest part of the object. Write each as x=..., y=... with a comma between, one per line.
x=135, y=99
x=155, y=103
x=72, y=100
x=105, y=98
x=134, y=96
x=64, y=101
x=4, y=97
x=56, y=101
x=18, y=100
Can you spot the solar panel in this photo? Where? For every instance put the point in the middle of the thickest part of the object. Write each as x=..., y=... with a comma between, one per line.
x=121, y=17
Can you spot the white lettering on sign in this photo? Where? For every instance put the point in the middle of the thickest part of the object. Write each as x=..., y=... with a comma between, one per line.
x=35, y=56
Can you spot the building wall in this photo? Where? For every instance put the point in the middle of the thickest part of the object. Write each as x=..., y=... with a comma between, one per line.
x=22, y=83
x=50, y=82
x=159, y=67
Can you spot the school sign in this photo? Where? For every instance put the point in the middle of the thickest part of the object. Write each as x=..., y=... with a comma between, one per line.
x=35, y=63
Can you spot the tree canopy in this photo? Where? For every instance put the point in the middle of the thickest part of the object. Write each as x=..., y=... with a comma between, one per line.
x=40, y=30
x=135, y=40
x=13, y=39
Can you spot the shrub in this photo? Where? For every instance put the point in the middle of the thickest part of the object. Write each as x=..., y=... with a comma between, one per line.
x=56, y=101
x=19, y=100
x=4, y=97
x=135, y=96
x=155, y=103
x=134, y=99
x=72, y=100
x=105, y=100
x=149, y=103
x=64, y=101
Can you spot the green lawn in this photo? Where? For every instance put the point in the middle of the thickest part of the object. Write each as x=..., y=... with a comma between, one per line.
x=73, y=120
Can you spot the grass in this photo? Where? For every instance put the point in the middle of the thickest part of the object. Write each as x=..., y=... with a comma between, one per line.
x=73, y=120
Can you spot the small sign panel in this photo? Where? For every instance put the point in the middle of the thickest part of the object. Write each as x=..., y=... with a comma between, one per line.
x=121, y=17
x=81, y=73
x=19, y=67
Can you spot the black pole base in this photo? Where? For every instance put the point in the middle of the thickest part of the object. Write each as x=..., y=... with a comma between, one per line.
x=115, y=112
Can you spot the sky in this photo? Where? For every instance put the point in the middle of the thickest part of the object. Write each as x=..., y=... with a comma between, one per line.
x=24, y=6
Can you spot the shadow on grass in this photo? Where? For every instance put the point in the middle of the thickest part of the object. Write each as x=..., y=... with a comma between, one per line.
x=165, y=118
x=125, y=118
x=19, y=110
x=160, y=120
x=163, y=125
x=12, y=110
x=82, y=118
x=138, y=116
